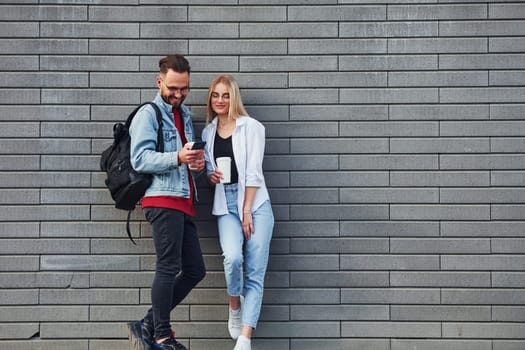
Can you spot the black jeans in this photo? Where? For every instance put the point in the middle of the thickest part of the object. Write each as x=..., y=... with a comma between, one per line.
x=179, y=267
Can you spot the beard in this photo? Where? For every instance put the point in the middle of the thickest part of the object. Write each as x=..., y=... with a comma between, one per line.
x=172, y=100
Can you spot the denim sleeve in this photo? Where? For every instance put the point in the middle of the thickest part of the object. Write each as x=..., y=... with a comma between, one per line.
x=144, y=157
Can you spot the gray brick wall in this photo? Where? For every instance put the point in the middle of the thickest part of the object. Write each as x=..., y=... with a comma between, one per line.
x=395, y=161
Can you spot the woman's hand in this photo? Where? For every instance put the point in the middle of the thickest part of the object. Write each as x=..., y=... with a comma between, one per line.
x=247, y=225
x=215, y=177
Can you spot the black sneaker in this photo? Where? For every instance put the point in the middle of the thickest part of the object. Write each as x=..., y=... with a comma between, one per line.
x=168, y=344
x=140, y=335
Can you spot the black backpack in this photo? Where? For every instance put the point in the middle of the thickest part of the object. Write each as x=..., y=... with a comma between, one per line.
x=126, y=185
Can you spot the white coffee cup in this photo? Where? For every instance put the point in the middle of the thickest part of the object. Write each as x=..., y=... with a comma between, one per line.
x=224, y=165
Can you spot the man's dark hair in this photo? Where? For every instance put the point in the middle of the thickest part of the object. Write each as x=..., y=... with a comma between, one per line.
x=176, y=62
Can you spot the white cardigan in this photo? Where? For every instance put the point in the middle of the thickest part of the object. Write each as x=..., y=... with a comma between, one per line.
x=248, y=142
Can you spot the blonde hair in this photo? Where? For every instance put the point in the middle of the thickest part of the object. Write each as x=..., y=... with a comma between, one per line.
x=236, y=105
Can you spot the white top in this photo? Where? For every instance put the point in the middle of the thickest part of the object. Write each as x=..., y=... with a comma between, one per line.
x=248, y=141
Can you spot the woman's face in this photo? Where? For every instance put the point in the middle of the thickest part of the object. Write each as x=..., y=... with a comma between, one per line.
x=220, y=99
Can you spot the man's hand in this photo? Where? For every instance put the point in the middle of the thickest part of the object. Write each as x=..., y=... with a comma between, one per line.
x=193, y=158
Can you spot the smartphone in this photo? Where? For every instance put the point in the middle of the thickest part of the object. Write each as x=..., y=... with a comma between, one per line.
x=198, y=145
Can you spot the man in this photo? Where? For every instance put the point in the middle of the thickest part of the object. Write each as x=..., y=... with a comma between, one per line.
x=168, y=202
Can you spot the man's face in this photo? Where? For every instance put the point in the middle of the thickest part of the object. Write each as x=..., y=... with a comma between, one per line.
x=173, y=86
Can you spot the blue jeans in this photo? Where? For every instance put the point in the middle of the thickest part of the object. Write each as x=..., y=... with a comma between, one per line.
x=255, y=257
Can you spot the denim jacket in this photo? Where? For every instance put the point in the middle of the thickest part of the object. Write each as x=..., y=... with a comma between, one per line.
x=248, y=141
x=169, y=178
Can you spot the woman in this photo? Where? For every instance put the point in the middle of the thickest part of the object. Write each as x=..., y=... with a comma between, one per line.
x=242, y=206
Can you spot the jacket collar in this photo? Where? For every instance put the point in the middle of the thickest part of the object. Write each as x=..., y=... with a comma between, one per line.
x=168, y=108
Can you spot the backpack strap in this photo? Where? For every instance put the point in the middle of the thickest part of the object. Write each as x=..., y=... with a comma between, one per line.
x=159, y=148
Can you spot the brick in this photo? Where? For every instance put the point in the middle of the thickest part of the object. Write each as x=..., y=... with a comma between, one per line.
x=19, y=296
x=339, y=79
x=440, y=145
x=340, y=312
x=89, y=296
x=13, y=96
x=437, y=45
x=338, y=279
x=44, y=46
x=90, y=229
x=388, y=62
x=481, y=61
x=43, y=313
x=287, y=63
x=440, y=178
x=482, y=162
x=190, y=30
x=328, y=329
x=12, y=196
x=508, y=313
x=289, y=30
x=389, y=228
x=337, y=46
x=389, y=195
x=389, y=95
x=306, y=229
x=237, y=13
x=388, y=29
x=507, y=212
x=440, y=279
x=482, y=195
x=477, y=262
x=338, y=112
x=339, y=245
x=391, y=329
x=436, y=12
x=486, y=330
x=125, y=313
x=136, y=47
x=503, y=44
x=45, y=146
x=288, y=196
x=341, y=344
x=44, y=246
x=389, y=262
x=18, y=229
x=198, y=63
x=439, y=344
x=482, y=229
x=19, y=30
x=226, y=344
x=294, y=262
x=481, y=28
x=507, y=178
x=238, y=47
x=484, y=128
x=440, y=313
x=18, y=330
x=43, y=113
x=44, y=179
x=442, y=78
x=90, y=30
x=339, y=212
x=397, y=128
x=95, y=96
x=45, y=280
x=439, y=112
x=137, y=13
x=439, y=212
x=506, y=111
x=322, y=162
x=507, y=344
x=439, y=246
x=46, y=344
x=82, y=330
x=19, y=163
x=90, y=63
x=340, y=146
x=19, y=63
x=301, y=129
x=89, y=263
x=505, y=78
x=340, y=179
x=44, y=213
x=336, y=13
x=43, y=13
x=503, y=11
x=388, y=162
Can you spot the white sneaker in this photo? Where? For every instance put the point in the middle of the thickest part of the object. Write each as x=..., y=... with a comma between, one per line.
x=235, y=321
x=243, y=343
